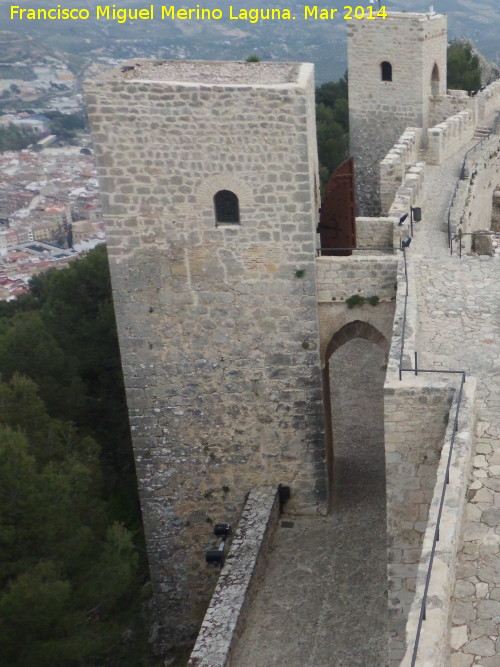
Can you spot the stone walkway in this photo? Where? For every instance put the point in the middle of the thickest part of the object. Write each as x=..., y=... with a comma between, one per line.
x=459, y=313
x=323, y=599
x=323, y=602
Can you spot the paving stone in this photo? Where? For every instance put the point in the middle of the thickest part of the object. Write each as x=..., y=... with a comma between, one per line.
x=458, y=636
x=482, y=628
x=491, y=517
x=489, y=662
x=463, y=612
x=461, y=660
x=484, y=646
x=481, y=590
x=489, y=569
x=464, y=588
x=488, y=608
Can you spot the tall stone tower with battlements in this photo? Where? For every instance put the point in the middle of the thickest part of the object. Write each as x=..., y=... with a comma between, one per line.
x=208, y=173
x=396, y=67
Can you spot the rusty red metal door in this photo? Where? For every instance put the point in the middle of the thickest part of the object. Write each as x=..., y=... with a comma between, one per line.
x=337, y=221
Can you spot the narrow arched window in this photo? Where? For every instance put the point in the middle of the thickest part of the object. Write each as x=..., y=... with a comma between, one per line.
x=435, y=80
x=226, y=207
x=386, y=69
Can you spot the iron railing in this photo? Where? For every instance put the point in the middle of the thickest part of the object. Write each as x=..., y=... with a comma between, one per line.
x=319, y=251
x=423, y=606
x=462, y=234
x=479, y=143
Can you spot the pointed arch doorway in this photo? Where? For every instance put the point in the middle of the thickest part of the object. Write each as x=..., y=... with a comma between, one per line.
x=353, y=379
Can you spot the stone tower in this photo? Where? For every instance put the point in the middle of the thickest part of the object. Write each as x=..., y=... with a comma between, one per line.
x=208, y=173
x=396, y=66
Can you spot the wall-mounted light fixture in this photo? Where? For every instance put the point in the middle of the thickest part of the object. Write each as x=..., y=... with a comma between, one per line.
x=217, y=556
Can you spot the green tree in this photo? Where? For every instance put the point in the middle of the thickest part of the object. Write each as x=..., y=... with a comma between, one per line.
x=28, y=347
x=13, y=138
x=72, y=558
x=68, y=576
x=332, y=126
x=463, y=67
x=76, y=307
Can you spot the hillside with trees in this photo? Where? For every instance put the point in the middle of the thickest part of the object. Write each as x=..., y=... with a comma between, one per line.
x=73, y=573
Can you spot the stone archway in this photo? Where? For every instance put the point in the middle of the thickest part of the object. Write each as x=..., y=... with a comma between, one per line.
x=371, y=339
x=356, y=329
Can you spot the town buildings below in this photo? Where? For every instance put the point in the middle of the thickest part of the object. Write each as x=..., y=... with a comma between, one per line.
x=49, y=201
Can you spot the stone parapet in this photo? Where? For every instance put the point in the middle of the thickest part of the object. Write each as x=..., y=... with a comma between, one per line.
x=415, y=416
x=443, y=107
x=450, y=136
x=434, y=643
x=375, y=233
x=472, y=209
x=397, y=164
x=488, y=100
x=410, y=192
x=339, y=278
x=405, y=324
x=225, y=618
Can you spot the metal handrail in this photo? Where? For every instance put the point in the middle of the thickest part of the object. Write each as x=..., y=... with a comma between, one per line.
x=423, y=606
x=479, y=143
x=450, y=206
x=403, y=327
x=461, y=234
x=320, y=250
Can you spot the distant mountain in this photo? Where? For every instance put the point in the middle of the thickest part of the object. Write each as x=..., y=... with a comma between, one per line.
x=478, y=20
x=321, y=42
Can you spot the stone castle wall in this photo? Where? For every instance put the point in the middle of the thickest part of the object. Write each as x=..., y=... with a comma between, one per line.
x=434, y=644
x=397, y=165
x=379, y=111
x=239, y=580
x=483, y=170
x=218, y=324
x=374, y=233
x=415, y=421
x=339, y=278
x=488, y=100
x=450, y=104
x=449, y=136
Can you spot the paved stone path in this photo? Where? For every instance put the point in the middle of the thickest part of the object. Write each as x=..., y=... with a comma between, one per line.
x=323, y=598
x=459, y=312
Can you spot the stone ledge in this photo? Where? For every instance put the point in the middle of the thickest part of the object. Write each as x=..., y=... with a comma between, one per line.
x=225, y=616
x=434, y=641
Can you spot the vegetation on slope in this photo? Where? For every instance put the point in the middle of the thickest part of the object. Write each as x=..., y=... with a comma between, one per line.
x=73, y=575
x=332, y=126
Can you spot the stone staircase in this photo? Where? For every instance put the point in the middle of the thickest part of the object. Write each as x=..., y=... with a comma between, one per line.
x=482, y=132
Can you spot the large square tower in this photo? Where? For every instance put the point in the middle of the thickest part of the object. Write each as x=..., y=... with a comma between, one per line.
x=396, y=66
x=208, y=172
